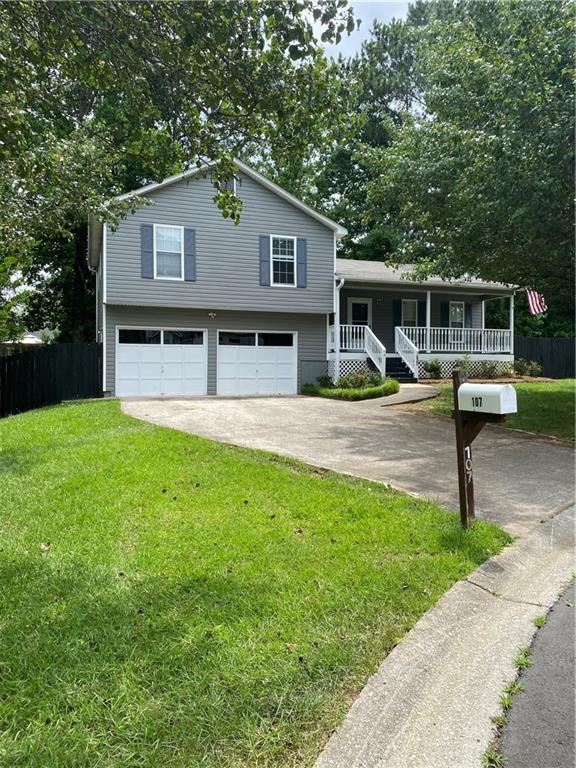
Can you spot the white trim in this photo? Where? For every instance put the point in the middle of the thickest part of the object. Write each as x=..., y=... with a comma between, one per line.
x=295, y=241
x=409, y=301
x=161, y=328
x=104, y=366
x=503, y=358
x=257, y=331
x=428, y=318
x=463, y=304
x=104, y=263
x=161, y=277
x=191, y=172
x=483, y=314
x=359, y=300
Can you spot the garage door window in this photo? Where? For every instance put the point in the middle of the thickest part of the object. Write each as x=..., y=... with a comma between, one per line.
x=183, y=337
x=227, y=339
x=138, y=336
x=275, y=340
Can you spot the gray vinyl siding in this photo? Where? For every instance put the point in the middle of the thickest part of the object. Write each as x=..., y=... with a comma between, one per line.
x=382, y=318
x=311, y=329
x=227, y=256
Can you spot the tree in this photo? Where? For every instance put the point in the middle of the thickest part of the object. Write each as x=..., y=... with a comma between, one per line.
x=482, y=178
x=98, y=98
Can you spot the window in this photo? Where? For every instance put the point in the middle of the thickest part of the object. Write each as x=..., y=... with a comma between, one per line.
x=168, y=252
x=183, y=337
x=228, y=185
x=456, y=314
x=410, y=313
x=275, y=340
x=137, y=336
x=228, y=339
x=283, y=256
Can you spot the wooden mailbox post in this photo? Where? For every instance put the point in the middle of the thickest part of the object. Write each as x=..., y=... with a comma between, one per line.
x=483, y=404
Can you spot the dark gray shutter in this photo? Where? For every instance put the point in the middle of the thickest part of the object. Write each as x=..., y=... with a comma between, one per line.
x=264, y=259
x=396, y=312
x=467, y=315
x=422, y=314
x=147, y=250
x=189, y=255
x=444, y=314
x=301, y=255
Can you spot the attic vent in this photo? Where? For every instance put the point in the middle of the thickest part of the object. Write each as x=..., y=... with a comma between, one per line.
x=228, y=185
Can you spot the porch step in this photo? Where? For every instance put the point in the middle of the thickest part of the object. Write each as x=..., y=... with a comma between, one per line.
x=397, y=369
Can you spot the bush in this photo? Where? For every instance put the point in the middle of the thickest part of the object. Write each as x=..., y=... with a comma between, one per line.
x=524, y=367
x=324, y=381
x=487, y=370
x=433, y=368
x=387, y=387
x=359, y=380
x=507, y=369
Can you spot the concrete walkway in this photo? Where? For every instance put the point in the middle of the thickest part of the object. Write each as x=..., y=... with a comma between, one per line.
x=519, y=479
x=542, y=720
x=410, y=393
x=430, y=703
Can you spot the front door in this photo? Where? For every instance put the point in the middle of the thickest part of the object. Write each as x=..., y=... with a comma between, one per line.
x=360, y=312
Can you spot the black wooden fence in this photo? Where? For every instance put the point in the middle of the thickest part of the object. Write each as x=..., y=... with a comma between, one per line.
x=49, y=374
x=556, y=356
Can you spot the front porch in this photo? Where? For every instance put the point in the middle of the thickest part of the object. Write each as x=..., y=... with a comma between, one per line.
x=384, y=320
x=356, y=347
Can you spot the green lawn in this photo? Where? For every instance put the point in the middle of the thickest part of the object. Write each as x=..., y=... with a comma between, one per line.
x=197, y=604
x=544, y=407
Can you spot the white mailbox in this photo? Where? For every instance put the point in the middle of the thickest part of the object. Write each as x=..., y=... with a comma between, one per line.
x=487, y=398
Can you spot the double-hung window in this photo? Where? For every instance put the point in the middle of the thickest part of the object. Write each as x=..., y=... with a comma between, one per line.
x=456, y=314
x=409, y=313
x=283, y=260
x=168, y=252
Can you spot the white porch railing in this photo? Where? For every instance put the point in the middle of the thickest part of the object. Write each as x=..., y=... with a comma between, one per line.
x=463, y=340
x=360, y=338
x=407, y=350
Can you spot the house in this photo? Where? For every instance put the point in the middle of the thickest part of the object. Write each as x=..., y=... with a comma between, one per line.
x=190, y=304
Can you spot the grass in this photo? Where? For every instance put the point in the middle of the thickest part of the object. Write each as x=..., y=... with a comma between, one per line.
x=388, y=387
x=170, y=601
x=543, y=407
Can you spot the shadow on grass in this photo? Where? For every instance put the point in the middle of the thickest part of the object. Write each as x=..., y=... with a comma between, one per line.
x=129, y=665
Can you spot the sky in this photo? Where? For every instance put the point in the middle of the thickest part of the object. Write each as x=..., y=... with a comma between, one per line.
x=383, y=10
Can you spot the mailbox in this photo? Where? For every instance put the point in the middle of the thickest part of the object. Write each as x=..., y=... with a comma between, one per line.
x=487, y=398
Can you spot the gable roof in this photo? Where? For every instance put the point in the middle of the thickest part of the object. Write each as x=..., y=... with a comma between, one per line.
x=377, y=272
x=253, y=174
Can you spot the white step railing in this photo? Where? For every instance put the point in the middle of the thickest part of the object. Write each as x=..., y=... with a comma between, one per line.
x=360, y=338
x=463, y=340
x=375, y=350
x=406, y=349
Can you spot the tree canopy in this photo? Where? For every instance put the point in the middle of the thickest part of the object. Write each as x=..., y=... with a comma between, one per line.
x=481, y=178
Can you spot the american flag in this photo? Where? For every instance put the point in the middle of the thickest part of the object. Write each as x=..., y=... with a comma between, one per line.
x=536, y=302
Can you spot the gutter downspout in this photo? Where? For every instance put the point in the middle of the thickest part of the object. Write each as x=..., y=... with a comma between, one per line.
x=337, y=330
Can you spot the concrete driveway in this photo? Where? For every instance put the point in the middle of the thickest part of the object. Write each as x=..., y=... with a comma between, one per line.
x=519, y=479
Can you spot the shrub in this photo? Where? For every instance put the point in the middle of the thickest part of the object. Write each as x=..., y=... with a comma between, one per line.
x=507, y=369
x=324, y=380
x=387, y=387
x=487, y=370
x=359, y=380
x=524, y=367
x=433, y=368
x=534, y=368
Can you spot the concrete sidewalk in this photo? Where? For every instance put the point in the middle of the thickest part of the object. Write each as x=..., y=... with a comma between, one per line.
x=430, y=703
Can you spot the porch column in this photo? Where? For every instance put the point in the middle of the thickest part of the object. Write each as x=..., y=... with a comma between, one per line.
x=511, y=350
x=428, y=315
x=482, y=323
x=337, y=330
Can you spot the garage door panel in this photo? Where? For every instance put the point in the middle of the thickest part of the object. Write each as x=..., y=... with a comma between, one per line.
x=262, y=369
x=154, y=369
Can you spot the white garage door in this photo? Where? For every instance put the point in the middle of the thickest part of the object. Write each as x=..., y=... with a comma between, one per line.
x=160, y=361
x=257, y=363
